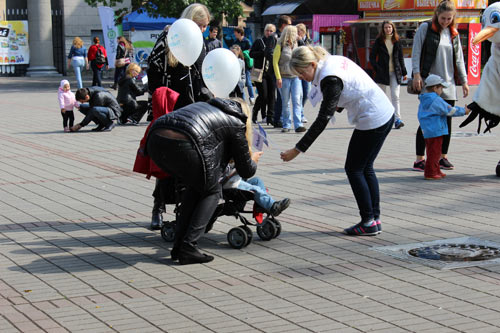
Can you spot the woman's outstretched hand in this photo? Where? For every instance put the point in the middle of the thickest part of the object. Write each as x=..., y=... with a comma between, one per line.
x=289, y=155
x=256, y=156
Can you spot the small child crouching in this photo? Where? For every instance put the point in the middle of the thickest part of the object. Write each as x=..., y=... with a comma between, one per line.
x=67, y=103
x=432, y=113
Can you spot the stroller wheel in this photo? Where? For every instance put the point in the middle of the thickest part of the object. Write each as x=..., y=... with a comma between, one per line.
x=249, y=233
x=168, y=231
x=278, y=227
x=267, y=230
x=237, y=238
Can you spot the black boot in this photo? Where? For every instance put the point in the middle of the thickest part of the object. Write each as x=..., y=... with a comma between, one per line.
x=157, y=218
x=190, y=254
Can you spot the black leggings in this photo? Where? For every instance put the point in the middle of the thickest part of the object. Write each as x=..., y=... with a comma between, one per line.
x=199, y=200
x=68, y=115
x=361, y=154
x=265, y=100
x=420, y=142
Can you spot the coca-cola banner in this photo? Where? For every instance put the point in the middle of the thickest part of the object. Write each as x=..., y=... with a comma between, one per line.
x=474, y=55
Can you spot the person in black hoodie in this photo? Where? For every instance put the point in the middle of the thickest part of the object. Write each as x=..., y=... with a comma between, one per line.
x=102, y=108
x=386, y=58
x=195, y=144
x=262, y=54
x=128, y=90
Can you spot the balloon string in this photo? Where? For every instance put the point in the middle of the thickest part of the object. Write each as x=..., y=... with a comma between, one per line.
x=191, y=84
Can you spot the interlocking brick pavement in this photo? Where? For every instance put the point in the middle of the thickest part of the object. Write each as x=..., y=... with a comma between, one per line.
x=76, y=254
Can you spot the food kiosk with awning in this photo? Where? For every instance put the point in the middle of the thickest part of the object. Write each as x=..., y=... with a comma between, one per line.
x=407, y=15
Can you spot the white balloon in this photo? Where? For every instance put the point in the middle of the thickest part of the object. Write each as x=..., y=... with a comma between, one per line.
x=185, y=41
x=221, y=72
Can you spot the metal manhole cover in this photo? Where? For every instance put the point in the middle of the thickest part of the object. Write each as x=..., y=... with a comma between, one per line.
x=447, y=253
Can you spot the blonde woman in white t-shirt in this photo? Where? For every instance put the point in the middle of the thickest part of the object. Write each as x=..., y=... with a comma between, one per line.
x=339, y=83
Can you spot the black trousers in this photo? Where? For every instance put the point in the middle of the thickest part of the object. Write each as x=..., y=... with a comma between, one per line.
x=68, y=116
x=363, y=149
x=266, y=98
x=134, y=110
x=180, y=158
x=97, y=74
x=420, y=141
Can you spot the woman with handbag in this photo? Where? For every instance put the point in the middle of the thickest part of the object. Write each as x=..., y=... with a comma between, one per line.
x=387, y=60
x=437, y=50
x=262, y=54
x=121, y=60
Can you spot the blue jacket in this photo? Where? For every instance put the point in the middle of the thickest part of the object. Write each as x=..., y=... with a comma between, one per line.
x=432, y=113
x=74, y=52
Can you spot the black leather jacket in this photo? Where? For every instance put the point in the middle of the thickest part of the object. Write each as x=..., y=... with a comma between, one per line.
x=217, y=129
x=102, y=97
x=128, y=90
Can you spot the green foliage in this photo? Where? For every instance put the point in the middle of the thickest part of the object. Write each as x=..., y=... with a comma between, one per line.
x=172, y=8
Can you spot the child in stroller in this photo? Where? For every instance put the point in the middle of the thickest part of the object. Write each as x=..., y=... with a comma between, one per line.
x=236, y=192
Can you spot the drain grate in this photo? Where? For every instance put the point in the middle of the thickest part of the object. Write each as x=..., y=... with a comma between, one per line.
x=447, y=253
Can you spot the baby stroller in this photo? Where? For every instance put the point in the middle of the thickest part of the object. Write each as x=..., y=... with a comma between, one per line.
x=234, y=204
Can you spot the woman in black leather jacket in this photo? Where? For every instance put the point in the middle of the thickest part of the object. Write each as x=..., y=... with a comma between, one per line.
x=128, y=90
x=195, y=144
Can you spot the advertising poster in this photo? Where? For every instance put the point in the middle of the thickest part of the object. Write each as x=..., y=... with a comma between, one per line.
x=143, y=42
x=378, y=5
x=14, y=48
x=110, y=32
x=474, y=56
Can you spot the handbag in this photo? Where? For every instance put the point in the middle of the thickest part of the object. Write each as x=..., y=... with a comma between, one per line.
x=410, y=89
x=122, y=62
x=256, y=74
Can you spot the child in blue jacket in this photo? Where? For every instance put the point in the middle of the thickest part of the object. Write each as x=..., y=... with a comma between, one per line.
x=432, y=113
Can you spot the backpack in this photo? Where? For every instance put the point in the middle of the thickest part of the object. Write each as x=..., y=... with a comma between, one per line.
x=100, y=59
x=248, y=59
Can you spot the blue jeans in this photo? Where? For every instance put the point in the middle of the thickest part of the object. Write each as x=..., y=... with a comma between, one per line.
x=249, y=84
x=261, y=197
x=306, y=87
x=291, y=89
x=277, y=108
x=101, y=115
x=77, y=63
x=363, y=149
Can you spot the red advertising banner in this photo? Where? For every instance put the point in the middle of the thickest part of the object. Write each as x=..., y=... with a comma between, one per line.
x=473, y=56
x=370, y=5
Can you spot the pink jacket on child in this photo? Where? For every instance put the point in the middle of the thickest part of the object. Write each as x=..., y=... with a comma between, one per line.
x=67, y=99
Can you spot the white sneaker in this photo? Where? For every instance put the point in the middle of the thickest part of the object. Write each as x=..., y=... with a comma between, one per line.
x=251, y=100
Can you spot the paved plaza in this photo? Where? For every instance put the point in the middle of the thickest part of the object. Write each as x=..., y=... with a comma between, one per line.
x=76, y=253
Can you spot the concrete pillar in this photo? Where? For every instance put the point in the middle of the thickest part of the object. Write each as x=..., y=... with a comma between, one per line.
x=40, y=39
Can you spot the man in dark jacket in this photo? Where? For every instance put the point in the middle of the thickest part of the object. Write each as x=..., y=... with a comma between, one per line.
x=102, y=108
x=205, y=137
x=212, y=42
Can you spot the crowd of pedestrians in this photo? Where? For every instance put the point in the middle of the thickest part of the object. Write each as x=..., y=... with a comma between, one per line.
x=286, y=69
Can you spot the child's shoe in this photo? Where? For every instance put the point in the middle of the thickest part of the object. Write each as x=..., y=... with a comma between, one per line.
x=433, y=177
x=66, y=129
x=362, y=229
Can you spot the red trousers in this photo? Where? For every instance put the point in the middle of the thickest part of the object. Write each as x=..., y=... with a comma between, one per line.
x=433, y=148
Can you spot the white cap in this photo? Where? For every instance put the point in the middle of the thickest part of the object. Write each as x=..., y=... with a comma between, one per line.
x=434, y=80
